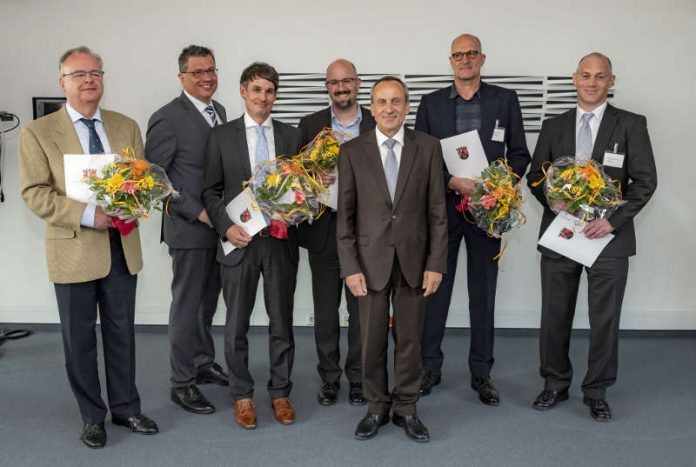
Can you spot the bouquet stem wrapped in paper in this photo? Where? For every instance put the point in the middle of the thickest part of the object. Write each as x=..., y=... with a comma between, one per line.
x=584, y=189
x=128, y=189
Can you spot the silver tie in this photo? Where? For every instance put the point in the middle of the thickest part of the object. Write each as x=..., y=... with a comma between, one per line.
x=583, y=143
x=391, y=167
x=211, y=112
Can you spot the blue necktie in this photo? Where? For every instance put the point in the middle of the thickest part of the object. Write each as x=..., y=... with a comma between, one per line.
x=583, y=143
x=211, y=112
x=391, y=167
x=95, y=144
x=261, y=145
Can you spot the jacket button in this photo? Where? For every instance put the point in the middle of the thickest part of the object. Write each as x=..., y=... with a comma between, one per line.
x=394, y=217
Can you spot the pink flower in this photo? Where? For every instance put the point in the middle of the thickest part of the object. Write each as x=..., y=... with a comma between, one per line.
x=299, y=196
x=129, y=187
x=487, y=201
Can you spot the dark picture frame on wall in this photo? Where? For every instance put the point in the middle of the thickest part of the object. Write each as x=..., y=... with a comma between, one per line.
x=46, y=105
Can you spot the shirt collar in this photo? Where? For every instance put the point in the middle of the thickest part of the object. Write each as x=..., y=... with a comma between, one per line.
x=76, y=116
x=250, y=123
x=399, y=136
x=199, y=104
x=355, y=121
x=598, y=112
x=454, y=94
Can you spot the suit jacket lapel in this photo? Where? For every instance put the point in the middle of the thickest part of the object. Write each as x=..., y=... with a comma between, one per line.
x=118, y=142
x=408, y=155
x=568, y=137
x=489, y=109
x=279, y=140
x=366, y=124
x=67, y=142
x=606, y=127
x=200, y=121
x=373, y=164
x=220, y=111
x=242, y=147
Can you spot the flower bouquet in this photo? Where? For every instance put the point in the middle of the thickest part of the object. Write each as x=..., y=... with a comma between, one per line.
x=496, y=201
x=284, y=190
x=586, y=190
x=321, y=154
x=128, y=189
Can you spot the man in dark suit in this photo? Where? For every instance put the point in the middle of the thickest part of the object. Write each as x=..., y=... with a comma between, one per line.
x=93, y=267
x=232, y=151
x=176, y=137
x=619, y=140
x=319, y=237
x=470, y=104
x=392, y=245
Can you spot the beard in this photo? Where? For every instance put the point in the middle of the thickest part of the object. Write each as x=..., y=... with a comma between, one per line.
x=343, y=104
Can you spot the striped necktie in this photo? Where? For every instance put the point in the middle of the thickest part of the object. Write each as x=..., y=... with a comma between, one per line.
x=211, y=112
x=583, y=143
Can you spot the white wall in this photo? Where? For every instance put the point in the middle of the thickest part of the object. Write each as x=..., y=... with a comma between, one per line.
x=649, y=43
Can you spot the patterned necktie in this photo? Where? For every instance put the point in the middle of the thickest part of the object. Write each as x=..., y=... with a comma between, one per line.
x=261, y=145
x=211, y=112
x=391, y=167
x=95, y=144
x=583, y=143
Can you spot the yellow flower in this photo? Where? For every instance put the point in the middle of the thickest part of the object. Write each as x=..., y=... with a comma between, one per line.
x=148, y=182
x=114, y=183
x=272, y=180
x=314, y=154
x=567, y=173
x=596, y=182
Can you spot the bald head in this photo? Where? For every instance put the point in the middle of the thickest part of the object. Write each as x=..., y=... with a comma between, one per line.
x=468, y=37
x=342, y=84
x=340, y=65
x=596, y=55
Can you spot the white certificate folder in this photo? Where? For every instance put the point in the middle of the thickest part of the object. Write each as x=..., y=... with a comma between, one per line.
x=242, y=212
x=464, y=155
x=79, y=167
x=564, y=236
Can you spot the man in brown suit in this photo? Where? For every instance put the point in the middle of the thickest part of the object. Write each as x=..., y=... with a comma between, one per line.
x=90, y=263
x=392, y=244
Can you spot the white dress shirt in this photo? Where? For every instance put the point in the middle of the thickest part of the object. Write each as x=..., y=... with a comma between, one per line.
x=251, y=137
x=87, y=219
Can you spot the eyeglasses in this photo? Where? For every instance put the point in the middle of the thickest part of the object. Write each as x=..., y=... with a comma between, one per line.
x=82, y=74
x=470, y=54
x=201, y=73
x=345, y=81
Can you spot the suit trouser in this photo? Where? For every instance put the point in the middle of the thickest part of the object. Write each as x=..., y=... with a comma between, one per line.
x=560, y=279
x=407, y=327
x=114, y=296
x=327, y=286
x=482, y=279
x=269, y=257
x=195, y=292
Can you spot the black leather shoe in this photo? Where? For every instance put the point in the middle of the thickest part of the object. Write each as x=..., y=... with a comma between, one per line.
x=94, y=436
x=488, y=394
x=327, y=393
x=214, y=374
x=369, y=425
x=190, y=398
x=137, y=424
x=428, y=380
x=599, y=409
x=355, y=395
x=548, y=398
x=413, y=427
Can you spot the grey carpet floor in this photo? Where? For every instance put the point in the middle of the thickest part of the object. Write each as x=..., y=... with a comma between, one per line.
x=654, y=405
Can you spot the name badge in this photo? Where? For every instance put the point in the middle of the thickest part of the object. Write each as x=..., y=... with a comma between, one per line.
x=498, y=133
x=613, y=159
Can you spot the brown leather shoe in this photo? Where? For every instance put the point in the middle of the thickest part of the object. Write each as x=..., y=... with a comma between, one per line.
x=245, y=413
x=284, y=411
